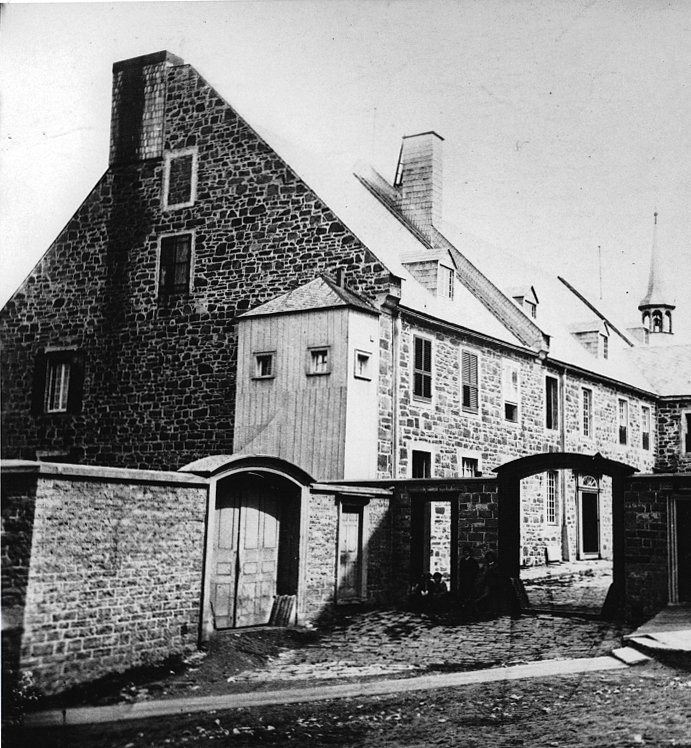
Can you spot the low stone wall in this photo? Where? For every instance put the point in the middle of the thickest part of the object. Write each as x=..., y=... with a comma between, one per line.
x=115, y=573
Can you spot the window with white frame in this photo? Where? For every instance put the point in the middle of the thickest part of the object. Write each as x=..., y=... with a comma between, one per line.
x=645, y=427
x=552, y=498
x=180, y=179
x=623, y=410
x=57, y=386
x=551, y=402
x=422, y=371
x=511, y=391
x=362, y=365
x=470, y=388
x=264, y=365
x=318, y=360
x=470, y=467
x=587, y=411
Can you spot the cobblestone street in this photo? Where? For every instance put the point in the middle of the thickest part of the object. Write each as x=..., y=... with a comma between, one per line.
x=575, y=585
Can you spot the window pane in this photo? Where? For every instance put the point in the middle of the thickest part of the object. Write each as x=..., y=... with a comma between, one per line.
x=180, y=179
x=57, y=386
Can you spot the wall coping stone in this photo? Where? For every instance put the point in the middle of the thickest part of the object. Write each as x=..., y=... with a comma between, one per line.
x=100, y=472
x=344, y=488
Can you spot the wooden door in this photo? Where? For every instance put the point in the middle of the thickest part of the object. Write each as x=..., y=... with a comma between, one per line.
x=246, y=559
x=258, y=560
x=349, y=553
x=590, y=525
x=226, y=559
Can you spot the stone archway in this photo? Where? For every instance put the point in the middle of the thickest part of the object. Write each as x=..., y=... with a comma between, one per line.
x=255, y=538
x=509, y=532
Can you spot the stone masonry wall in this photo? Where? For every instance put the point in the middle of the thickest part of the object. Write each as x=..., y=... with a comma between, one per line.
x=18, y=504
x=646, y=552
x=159, y=376
x=670, y=449
x=320, y=583
x=442, y=426
x=116, y=576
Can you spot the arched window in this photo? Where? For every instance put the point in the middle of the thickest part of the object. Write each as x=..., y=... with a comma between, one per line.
x=657, y=321
x=646, y=320
x=668, y=321
x=588, y=482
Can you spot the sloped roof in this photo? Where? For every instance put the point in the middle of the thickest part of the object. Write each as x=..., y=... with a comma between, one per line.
x=667, y=367
x=374, y=221
x=320, y=293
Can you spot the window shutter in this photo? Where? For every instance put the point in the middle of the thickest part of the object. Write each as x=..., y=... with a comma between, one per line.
x=76, y=384
x=469, y=379
x=39, y=386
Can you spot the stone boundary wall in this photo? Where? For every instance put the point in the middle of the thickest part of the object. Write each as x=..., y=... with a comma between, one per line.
x=115, y=573
x=647, y=499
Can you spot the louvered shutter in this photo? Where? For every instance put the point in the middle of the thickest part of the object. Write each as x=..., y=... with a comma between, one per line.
x=469, y=381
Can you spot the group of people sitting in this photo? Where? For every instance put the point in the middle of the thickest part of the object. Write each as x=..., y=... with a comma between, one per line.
x=480, y=589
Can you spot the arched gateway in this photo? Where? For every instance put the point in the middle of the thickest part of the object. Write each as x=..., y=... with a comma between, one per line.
x=254, y=537
x=509, y=532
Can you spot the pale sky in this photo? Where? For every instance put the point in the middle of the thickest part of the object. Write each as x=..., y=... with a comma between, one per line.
x=566, y=124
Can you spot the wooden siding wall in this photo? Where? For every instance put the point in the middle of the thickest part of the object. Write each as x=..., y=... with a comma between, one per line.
x=295, y=416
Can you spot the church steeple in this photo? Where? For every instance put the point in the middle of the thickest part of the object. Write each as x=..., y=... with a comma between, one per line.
x=657, y=305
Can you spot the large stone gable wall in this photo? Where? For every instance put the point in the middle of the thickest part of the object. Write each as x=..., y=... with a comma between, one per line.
x=159, y=377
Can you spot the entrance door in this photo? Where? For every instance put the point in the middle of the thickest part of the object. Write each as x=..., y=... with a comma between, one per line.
x=246, y=560
x=589, y=525
x=349, y=553
x=683, y=521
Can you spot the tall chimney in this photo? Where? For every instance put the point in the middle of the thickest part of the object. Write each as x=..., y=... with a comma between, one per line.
x=419, y=180
x=138, y=113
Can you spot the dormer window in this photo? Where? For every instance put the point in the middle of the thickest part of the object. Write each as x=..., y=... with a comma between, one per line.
x=447, y=281
x=526, y=298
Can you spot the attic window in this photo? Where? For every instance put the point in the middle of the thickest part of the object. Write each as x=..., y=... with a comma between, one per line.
x=179, y=179
x=264, y=365
x=318, y=361
x=531, y=308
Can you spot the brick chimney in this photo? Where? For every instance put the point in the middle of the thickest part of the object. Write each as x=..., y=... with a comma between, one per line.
x=419, y=180
x=138, y=110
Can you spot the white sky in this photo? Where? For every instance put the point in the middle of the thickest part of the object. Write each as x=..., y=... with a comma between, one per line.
x=566, y=124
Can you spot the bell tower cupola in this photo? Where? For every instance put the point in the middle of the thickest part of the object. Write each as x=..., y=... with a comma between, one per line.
x=657, y=305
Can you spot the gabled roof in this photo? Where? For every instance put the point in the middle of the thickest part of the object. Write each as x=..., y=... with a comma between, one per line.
x=668, y=368
x=320, y=293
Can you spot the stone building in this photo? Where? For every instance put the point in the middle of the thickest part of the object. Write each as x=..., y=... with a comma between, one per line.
x=305, y=341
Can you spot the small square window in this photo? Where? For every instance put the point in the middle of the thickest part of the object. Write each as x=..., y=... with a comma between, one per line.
x=318, y=361
x=421, y=466
x=469, y=467
x=264, y=366
x=362, y=365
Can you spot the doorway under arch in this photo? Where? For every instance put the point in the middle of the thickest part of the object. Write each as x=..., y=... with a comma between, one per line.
x=512, y=473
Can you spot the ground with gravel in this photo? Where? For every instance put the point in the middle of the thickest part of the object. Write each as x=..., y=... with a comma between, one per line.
x=644, y=705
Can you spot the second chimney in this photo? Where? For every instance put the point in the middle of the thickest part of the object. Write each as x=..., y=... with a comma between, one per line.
x=419, y=180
